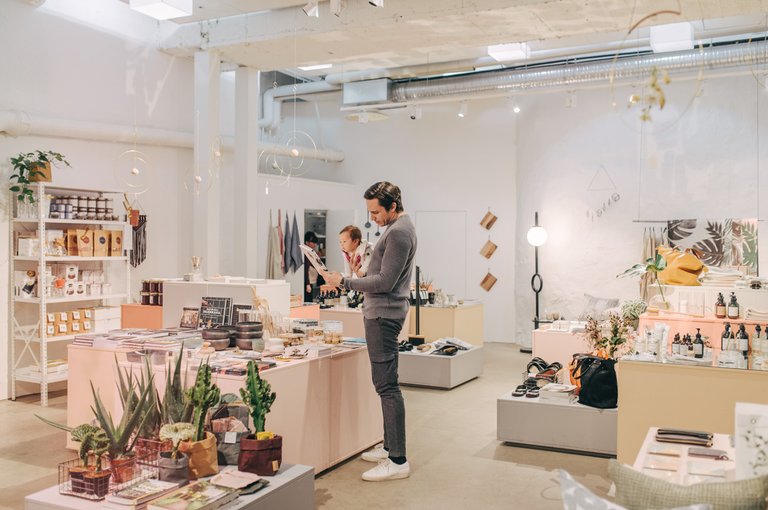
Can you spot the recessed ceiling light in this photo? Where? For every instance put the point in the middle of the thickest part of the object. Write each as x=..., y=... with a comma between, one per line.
x=376, y=3
x=163, y=9
x=672, y=37
x=507, y=52
x=316, y=67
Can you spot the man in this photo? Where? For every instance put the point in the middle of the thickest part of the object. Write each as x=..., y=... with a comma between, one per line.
x=386, y=287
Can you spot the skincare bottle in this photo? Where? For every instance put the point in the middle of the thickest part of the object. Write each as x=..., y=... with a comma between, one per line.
x=698, y=345
x=676, y=344
x=743, y=341
x=725, y=337
x=757, y=340
x=720, y=311
x=733, y=307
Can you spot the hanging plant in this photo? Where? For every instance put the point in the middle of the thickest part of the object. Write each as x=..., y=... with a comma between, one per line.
x=32, y=167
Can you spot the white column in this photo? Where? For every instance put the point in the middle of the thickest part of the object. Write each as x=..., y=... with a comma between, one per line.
x=247, y=196
x=205, y=231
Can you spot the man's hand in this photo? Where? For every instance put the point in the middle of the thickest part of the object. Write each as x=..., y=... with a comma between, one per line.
x=355, y=266
x=333, y=278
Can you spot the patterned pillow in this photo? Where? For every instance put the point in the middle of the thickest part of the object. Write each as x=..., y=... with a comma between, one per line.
x=577, y=497
x=637, y=491
x=597, y=307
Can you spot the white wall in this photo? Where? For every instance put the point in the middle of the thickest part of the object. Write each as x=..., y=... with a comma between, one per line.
x=66, y=69
x=696, y=159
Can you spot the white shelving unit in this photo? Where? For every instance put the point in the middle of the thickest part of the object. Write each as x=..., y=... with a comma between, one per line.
x=30, y=341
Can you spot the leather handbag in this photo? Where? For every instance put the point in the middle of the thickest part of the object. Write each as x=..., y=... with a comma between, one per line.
x=574, y=369
x=599, y=387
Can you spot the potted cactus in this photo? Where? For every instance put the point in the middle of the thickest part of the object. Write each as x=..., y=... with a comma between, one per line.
x=174, y=465
x=262, y=452
x=93, y=441
x=201, y=450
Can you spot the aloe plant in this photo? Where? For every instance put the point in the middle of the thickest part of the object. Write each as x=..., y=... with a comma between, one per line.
x=176, y=432
x=122, y=436
x=202, y=396
x=173, y=406
x=258, y=396
x=92, y=439
x=131, y=387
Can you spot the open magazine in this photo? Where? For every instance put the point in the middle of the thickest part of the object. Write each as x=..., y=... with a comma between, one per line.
x=314, y=259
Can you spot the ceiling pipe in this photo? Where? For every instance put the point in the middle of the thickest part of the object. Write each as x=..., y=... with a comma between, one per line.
x=272, y=99
x=17, y=123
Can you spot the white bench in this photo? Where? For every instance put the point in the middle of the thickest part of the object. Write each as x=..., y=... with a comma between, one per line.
x=433, y=371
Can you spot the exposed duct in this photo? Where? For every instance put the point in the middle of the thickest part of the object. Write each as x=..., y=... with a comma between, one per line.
x=17, y=123
x=621, y=69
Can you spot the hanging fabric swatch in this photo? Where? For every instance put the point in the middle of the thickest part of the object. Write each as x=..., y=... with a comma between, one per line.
x=287, y=244
x=274, y=258
x=297, y=257
x=283, y=269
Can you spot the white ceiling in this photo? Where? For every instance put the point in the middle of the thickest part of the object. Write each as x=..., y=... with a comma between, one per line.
x=275, y=34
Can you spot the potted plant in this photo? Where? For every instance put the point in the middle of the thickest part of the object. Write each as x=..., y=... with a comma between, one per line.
x=174, y=465
x=654, y=266
x=262, y=452
x=632, y=310
x=123, y=435
x=29, y=167
x=93, y=441
x=201, y=449
x=610, y=338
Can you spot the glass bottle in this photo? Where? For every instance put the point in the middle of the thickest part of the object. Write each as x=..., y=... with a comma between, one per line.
x=757, y=340
x=698, y=345
x=733, y=307
x=743, y=341
x=725, y=337
x=720, y=311
x=676, y=344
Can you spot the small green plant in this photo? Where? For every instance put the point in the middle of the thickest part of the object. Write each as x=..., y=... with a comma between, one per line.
x=92, y=439
x=202, y=396
x=258, y=396
x=653, y=265
x=26, y=166
x=608, y=338
x=632, y=310
x=176, y=432
x=173, y=407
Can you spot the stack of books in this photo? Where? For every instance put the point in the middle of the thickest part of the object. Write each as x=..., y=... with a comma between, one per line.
x=558, y=392
x=138, y=496
x=200, y=495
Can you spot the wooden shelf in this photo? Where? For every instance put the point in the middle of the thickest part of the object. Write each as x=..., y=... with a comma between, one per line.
x=70, y=259
x=55, y=221
x=30, y=374
x=71, y=299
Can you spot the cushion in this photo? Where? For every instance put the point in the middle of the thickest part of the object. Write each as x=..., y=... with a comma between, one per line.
x=597, y=307
x=577, y=497
x=637, y=491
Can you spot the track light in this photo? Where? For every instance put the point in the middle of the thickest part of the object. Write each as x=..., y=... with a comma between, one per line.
x=336, y=7
x=376, y=3
x=462, y=110
x=311, y=9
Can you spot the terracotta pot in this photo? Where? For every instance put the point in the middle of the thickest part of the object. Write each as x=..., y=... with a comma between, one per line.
x=202, y=456
x=97, y=482
x=122, y=468
x=260, y=456
x=47, y=173
x=174, y=470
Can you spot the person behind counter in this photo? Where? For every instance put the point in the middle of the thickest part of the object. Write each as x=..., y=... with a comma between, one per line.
x=357, y=254
x=312, y=280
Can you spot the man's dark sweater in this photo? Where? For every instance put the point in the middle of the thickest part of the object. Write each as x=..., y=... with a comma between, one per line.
x=388, y=281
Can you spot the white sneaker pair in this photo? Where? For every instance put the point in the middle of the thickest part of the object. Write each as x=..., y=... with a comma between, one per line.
x=386, y=469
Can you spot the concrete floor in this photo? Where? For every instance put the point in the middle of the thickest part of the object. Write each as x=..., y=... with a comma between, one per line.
x=456, y=461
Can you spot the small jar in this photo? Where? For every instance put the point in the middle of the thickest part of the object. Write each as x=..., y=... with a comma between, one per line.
x=145, y=298
x=68, y=208
x=91, y=202
x=82, y=202
x=90, y=216
x=101, y=203
x=99, y=216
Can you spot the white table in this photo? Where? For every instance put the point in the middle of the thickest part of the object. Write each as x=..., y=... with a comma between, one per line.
x=568, y=426
x=685, y=469
x=417, y=369
x=293, y=487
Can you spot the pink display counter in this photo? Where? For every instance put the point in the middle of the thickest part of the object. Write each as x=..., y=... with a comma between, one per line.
x=326, y=408
x=711, y=327
x=557, y=345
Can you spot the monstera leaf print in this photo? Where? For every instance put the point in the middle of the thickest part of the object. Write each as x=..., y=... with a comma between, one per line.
x=749, y=232
x=678, y=230
x=711, y=250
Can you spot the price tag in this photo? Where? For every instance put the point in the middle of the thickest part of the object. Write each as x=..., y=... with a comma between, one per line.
x=230, y=437
x=275, y=465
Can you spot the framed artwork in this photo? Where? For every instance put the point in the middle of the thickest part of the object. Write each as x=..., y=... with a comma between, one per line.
x=189, y=317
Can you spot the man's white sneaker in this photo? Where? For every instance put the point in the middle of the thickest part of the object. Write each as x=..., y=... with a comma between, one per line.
x=387, y=470
x=377, y=454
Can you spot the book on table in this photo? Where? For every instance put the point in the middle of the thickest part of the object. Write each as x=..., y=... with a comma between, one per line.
x=200, y=495
x=141, y=492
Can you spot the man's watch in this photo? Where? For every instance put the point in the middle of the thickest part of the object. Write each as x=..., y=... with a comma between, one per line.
x=342, y=283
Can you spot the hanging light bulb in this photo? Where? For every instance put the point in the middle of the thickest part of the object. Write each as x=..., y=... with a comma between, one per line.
x=135, y=171
x=462, y=110
x=198, y=179
x=295, y=152
x=516, y=108
x=266, y=187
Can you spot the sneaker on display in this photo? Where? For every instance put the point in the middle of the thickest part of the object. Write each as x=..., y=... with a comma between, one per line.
x=387, y=470
x=377, y=454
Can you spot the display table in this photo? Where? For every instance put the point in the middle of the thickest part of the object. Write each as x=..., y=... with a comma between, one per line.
x=416, y=369
x=557, y=346
x=134, y=315
x=656, y=466
x=464, y=322
x=306, y=311
x=326, y=408
x=352, y=321
x=178, y=294
x=556, y=425
x=292, y=487
x=677, y=396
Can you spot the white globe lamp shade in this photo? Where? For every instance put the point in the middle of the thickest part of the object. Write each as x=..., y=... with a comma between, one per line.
x=537, y=236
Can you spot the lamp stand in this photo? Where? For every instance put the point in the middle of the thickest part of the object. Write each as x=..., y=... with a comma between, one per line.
x=537, y=284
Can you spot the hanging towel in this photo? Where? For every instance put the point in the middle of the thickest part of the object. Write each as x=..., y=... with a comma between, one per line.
x=283, y=269
x=297, y=258
x=287, y=245
x=274, y=259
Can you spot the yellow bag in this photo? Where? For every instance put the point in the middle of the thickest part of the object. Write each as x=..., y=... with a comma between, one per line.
x=203, y=457
x=683, y=267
